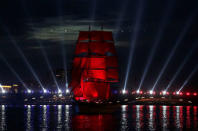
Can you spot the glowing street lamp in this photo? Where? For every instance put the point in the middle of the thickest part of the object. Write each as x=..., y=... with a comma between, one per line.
x=177, y=92
x=138, y=91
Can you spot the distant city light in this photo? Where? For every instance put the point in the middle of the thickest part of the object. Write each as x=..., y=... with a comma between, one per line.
x=6, y=86
x=138, y=91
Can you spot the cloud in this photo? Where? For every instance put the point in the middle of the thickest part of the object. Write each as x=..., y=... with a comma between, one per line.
x=51, y=29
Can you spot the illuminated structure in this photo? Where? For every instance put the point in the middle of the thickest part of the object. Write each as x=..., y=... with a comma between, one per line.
x=95, y=66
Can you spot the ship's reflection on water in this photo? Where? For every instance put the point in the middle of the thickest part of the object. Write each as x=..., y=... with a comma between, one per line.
x=127, y=117
x=93, y=122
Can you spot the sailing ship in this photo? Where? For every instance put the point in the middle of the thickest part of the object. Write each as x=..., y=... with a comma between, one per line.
x=95, y=66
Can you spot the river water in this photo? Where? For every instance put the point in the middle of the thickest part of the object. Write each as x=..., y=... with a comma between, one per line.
x=127, y=118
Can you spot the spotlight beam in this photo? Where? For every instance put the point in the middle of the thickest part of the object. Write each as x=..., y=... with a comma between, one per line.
x=181, y=36
x=42, y=49
x=62, y=45
x=163, y=22
x=133, y=41
x=23, y=57
x=65, y=66
x=189, y=77
x=120, y=17
x=49, y=65
x=13, y=71
x=181, y=67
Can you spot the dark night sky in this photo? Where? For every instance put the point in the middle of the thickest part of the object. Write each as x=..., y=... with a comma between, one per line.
x=55, y=24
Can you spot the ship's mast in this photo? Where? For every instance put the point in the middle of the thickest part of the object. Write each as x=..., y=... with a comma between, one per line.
x=102, y=27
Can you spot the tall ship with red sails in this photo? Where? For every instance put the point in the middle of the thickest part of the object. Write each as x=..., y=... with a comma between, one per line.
x=95, y=66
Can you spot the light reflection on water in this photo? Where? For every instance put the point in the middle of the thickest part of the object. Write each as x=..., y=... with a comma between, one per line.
x=188, y=124
x=139, y=117
x=151, y=117
x=179, y=116
x=165, y=117
x=3, y=118
x=124, y=119
x=195, y=120
x=59, y=125
x=29, y=119
x=134, y=117
x=43, y=124
x=67, y=118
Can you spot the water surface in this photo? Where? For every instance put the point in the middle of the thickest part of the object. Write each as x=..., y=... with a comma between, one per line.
x=128, y=117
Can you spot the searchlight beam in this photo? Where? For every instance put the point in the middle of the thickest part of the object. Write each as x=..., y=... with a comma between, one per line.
x=133, y=43
x=181, y=36
x=157, y=41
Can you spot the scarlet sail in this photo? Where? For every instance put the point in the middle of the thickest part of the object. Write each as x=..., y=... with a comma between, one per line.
x=95, y=65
